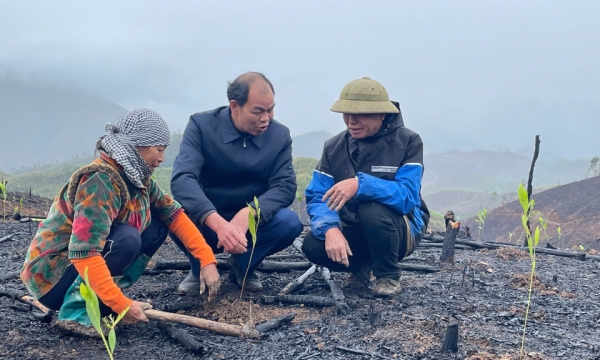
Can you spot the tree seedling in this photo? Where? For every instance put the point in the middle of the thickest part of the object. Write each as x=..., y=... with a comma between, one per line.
x=532, y=242
x=481, y=221
x=253, y=220
x=559, y=235
x=4, y=194
x=92, y=307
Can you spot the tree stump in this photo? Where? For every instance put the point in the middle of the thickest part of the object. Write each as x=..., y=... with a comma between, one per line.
x=449, y=243
x=451, y=339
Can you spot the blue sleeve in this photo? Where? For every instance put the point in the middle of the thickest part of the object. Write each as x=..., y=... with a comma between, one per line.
x=185, y=179
x=321, y=217
x=402, y=194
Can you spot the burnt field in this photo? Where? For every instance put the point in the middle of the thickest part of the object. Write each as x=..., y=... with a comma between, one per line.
x=485, y=293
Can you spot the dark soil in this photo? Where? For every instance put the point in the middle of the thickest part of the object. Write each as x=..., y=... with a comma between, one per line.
x=488, y=303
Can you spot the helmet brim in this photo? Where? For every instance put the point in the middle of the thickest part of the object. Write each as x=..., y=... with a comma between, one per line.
x=364, y=107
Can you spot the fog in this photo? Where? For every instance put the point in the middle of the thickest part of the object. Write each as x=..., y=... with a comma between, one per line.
x=468, y=74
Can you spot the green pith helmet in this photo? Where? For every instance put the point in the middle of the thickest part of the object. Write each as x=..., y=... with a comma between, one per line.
x=364, y=96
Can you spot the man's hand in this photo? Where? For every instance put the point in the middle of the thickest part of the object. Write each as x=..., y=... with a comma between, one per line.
x=340, y=193
x=209, y=278
x=241, y=219
x=337, y=247
x=231, y=237
x=136, y=313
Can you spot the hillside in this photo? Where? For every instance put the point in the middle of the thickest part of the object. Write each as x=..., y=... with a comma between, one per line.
x=574, y=207
x=495, y=171
x=310, y=144
x=46, y=123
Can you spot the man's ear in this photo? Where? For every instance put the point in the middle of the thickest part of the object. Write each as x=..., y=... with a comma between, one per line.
x=234, y=107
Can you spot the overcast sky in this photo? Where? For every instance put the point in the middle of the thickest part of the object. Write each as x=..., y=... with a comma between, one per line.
x=468, y=74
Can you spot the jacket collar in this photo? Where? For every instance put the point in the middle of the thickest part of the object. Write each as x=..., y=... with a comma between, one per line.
x=104, y=157
x=230, y=133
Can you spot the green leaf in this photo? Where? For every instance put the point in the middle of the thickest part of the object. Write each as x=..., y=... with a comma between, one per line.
x=537, y=236
x=121, y=315
x=85, y=294
x=523, y=199
x=524, y=221
x=251, y=222
x=112, y=339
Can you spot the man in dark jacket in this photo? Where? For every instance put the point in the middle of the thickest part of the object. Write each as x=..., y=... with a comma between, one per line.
x=364, y=198
x=227, y=157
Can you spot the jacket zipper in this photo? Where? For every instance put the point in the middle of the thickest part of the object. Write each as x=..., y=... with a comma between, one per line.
x=244, y=141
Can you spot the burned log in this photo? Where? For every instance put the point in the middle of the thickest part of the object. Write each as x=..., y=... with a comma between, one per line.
x=449, y=242
x=183, y=337
x=336, y=291
x=275, y=323
x=289, y=288
x=418, y=268
x=451, y=338
x=300, y=300
x=425, y=244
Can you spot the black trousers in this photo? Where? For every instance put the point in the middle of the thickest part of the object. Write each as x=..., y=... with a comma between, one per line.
x=382, y=239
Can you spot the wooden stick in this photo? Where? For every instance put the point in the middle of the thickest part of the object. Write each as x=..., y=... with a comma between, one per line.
x=418, y=268
x=289, y=288
x=298, y=245
x=275, y=323
x=449, y=243
x=221, y=328
x=336, y=291
x=361, y=352
x=7, y=237
x=425, y=244
x=25, y=299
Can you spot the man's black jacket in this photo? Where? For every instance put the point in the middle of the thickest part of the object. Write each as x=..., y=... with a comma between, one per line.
x=219, y=168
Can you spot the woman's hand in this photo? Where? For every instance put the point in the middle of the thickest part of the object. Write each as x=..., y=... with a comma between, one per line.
x=136, y=313
x=209, y=278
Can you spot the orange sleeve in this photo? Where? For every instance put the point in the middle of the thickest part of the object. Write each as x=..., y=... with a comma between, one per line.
x=193, y=240
x=102, y=283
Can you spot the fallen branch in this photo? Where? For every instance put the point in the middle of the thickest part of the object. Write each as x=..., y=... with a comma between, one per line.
x=336, y=291
x=289, y=288
x=183, y=337
x=418, y=268
x=441, y=246
x=300, y=300
x=220, y=328
x=7, y=237
x=266, y=266
x=493, y=246
x=26, y=299
x=10, y=275
x=361, y=352
x=275, y=323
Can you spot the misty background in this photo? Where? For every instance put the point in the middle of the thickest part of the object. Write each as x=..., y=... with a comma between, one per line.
x=468, y=74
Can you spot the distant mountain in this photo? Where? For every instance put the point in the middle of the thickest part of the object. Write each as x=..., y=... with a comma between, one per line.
x=494, y=171
x=310, y=144
x=45, y=123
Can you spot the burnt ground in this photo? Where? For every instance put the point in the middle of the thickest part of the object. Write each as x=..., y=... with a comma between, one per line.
x=488, y=303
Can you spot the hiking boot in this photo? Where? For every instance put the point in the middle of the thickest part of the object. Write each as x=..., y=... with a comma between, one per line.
x=73, y=327
x=190, y=285
x=387, y=287
x=252, y=283
x=361, y=278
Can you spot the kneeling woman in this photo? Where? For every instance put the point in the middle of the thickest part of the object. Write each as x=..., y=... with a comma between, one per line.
x=111, y=218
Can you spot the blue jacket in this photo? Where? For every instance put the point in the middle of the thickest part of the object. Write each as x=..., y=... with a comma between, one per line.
x=389, y=171
x=219, y=168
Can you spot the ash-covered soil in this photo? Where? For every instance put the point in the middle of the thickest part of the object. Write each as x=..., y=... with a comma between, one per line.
x=485, y=293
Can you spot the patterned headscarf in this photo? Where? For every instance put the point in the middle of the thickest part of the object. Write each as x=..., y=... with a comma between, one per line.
x=140, y=127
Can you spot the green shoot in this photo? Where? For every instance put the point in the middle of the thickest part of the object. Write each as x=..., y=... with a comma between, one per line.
x=559, y=235
x=4, y=195
x=532, y=242
x=481, y=221
x=544, y=224
x=253, y=220
x=510, y=235
x=92, y=307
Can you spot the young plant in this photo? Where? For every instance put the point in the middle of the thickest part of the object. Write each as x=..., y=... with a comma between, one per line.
x=253, y=220
x=92, y=307
x=544, y=224
x=559, y=235
x=532, y=242
x=4, y=194
x=510, y=235
x=481, y=221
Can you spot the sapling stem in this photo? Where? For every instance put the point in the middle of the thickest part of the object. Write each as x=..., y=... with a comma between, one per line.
x=253, y=220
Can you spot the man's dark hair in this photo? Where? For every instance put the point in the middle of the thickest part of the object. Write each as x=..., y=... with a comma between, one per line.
x=239, y=88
